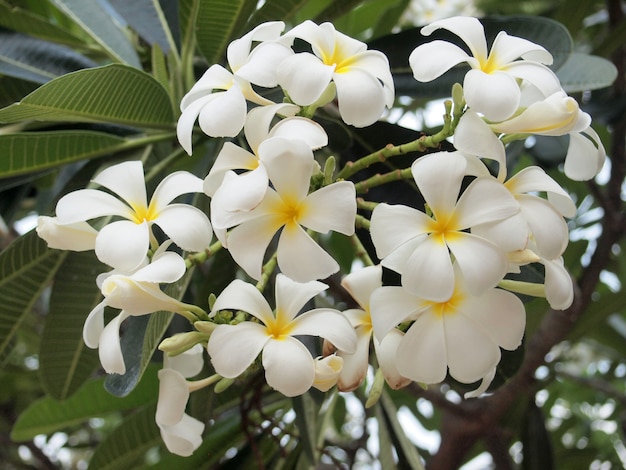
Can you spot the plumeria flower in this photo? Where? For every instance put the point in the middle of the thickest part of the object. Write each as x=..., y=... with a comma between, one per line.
x=585, y=155
x=461, y=335
x=327, y=370
x=288, y=208
x=79, y=236
x=247, y=190
x=181, y=433
x=361, y=284
x=419, y=246
x=135, y=294
x=123, y=244
x=289, y=366
x=222, y=113
x=491, y=86
x=362, y=78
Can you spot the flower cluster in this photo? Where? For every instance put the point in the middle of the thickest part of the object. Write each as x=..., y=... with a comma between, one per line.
x=273, y=201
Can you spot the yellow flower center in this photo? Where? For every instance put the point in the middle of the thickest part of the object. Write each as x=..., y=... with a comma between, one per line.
x=443, y=227
x=338, y=58
x=143, y=213
x=290, y=212
x=280, y=328
x=448, y=307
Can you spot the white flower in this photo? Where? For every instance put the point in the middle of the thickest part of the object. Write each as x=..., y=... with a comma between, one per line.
x=135, y=294
x=361, y=284
x=490, y=87
x=327, y=370
x=289, y=207
x=585, y=155
x=123, y=244
x=462, y=335
x=289, y=366
x=181, y=433
x=248, y=189
x=79, y=236
x=362, y=78
x=222, y=113
x=419, y=246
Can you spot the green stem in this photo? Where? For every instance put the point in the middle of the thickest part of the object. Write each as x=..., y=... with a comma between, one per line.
x=366, y=205
x=201, y=257
x=378, y=180
x=267, y=271
x=199, y=384
x=361, y=222
x=360, y=250
x=507, y=139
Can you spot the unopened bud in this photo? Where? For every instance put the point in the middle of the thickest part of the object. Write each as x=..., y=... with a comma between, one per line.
x=181, y=342
x=376, y=390
x=222, y=385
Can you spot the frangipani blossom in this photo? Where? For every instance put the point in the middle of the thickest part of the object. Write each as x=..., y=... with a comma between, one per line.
x=419, y=246
x=248, y=188
x=585, y=155
x=288, y=208
x=362, y=78
x=289, y=366
x=327, y=370
x=135, y=294
x=462, y=335
x=361, y=284
x=222, y=113
x=181, y=433
x=123, y=244
x=491, y=86
x=78, y=236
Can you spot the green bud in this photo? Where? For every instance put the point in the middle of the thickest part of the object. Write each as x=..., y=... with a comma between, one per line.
x=376, y=390
x=223, y=384
x=329, y=169
x=181, y=342
x=457, y=97
x=240, y=317
x=212, y=299
x=205, y=327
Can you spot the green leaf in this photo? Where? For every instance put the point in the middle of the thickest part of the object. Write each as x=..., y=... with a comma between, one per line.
x=538, y=453
x=385, y=447
x=125, y=447
x=584, y=72
x=406, y=449
x=26, y=267
x=337, y=9
x=33, y=151
x=215, y=25
x=14, y=89
x=100, y=26
x=114, y=93
x=273, y=10
x=48, y=415
x=306, y=417
x=65, y=363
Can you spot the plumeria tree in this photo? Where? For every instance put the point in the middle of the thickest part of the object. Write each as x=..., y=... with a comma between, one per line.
x=290, y=234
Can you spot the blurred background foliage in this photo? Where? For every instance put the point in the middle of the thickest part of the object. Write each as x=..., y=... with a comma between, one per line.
x=109, y=75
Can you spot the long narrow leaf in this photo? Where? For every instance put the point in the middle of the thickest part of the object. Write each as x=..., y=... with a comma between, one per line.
x=35, y=151
x=99, y=24
x=65, y=363
x=114, y=93
x=274, y=9
x=214, y=26
x=26, y=268
x=47, y=415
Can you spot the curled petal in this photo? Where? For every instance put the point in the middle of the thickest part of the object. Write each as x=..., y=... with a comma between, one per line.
x=238, y=50
x=259, y=121
x=302, y=128
x=173, y=397
x=231, y=157
x=291, y=296
x=186, y=121
x=138, y=298
x=304, y=77
x=123, y=244
x=110, y=349
x=496, y=95
x=469, y=29
x=332, y=207
x=508, y=48
x=245, y=191
x=585, y=157
x=360, y=97
x=362, y=283
x=289, y=367
x=301, y=258
x=328, y=324
x=166, y=267
x=262, y=65
x=184, y=437
x=86, y=204
x=126, y=180
x=188, y=363
x=327, y=372
x=224, y=116
x=355, y=365
x=484, y=385
x=546, y=224
x=558, y=284
x=474, y=137
x=187, y=226
x=240, y=295
x=79, y=236
x=431, y=60
x=539, y=75
x=233, y=348
x=94, y=325
x=386, y=353
x=174, y=185
x=216, y=77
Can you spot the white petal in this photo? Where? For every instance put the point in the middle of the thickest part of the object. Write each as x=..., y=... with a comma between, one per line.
x=186, y=121
x=262, y=65
x=507, y=48
x=259, y=121
x=172, y=186
x=332, y=207
x=390, y=306
x=482, y=263
x=360, y=97
x=188, y=363
x=355, y=365
x=539, y=75
x=138, y=298
x=496, y=95
x=327, y=372
x=123, y=244
x=533, y=178
x=224, y=115
x=439, y=176
x=422, y=353
x=234, y=347
x=94, y=324
x=485, y=200
x=109, y=349
x=393, y=226
x=240, y=295
x=173, y=397
x=239, y=49
x=301, y=258
x=184, y=437
x=291, y=296
x=126, y=180
x=474, y=137
x=469, y=29
x=245, y=191
x=386, y=354
x=187, y=226
x=328, y=324
x=583, y=160
x=510, y=234
x=362, y=283
x=500, y=314
x=376, y=63
x=303, y=129
x=558, y=284
x=484, y=385
x=546, y=224
x=85, y=204
x=215, y=77
x=289, y=367
x=289, y=164
x=231, y=157
x=470, y=351
x=433, y=59
x=166, y=267
x=79, y=236
x=428, y=272
x=304, y=77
